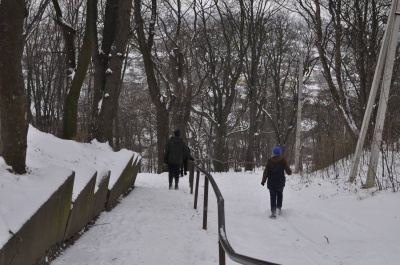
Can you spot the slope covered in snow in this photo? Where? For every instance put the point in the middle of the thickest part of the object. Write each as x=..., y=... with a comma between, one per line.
x=324, y=221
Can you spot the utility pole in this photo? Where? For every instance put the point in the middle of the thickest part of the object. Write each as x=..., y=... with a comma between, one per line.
x=298, y=122
x=385, y=59
x=383, y=100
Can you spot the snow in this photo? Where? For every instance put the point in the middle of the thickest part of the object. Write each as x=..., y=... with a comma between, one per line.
x=50, y=162
x=21, y=196
x=324, y=220
x=99, y=104
x=72, y=73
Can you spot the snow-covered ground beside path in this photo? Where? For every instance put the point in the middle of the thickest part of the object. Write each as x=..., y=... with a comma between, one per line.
x=324, y=221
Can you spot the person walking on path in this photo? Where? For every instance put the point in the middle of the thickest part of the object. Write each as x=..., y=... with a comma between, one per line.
x=173, y=156
x=186, y=157
x=274, y=175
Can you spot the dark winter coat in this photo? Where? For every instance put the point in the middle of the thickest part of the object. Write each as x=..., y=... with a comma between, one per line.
x=187, y=154
x=274, y=172
x=174, y=151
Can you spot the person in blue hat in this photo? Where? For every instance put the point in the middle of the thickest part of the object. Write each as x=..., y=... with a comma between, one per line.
x=274, y=175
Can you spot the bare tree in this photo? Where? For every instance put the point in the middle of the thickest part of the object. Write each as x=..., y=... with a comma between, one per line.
x=259, y=13
x=45, y=76
x=13, y=110
x=76, y=72
x=347, y=37
x=221, y=41
x=145, y=40
x=173, y=54
x=280, y=64
x=108, y=64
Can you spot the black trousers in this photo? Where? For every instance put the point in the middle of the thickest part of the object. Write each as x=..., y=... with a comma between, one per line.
x=184, y=166
x=173, y=173
x=276, y=198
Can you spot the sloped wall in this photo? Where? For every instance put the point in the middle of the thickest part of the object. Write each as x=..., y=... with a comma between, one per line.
x=124, y=182
x=100, y=197
x=43, y=230
x=81, y=212
x=56, y=221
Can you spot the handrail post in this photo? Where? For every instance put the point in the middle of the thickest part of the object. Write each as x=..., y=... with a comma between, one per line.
x=224, y=247
x=196, y=191
x=191, y=175
x=205, y=204
x=221, y=254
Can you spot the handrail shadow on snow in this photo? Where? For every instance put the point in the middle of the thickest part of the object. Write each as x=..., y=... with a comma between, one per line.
x=224, y=246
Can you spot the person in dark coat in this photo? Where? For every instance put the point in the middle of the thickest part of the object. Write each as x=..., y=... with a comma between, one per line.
x=274, y=175
x=173, y=156
x=186, y=157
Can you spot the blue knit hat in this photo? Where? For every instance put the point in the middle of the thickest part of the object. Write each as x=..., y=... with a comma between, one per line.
x=276, y=151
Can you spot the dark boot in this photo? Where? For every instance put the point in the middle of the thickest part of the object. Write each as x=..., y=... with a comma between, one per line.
x=273, y=213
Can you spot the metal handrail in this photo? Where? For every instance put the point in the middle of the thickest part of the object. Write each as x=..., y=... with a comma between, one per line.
x=224, y=245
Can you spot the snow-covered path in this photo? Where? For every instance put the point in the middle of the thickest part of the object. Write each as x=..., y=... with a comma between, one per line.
x=152, y=225
x=322, y=223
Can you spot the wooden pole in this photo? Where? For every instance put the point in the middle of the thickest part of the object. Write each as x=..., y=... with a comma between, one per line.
x=298, y=127
x=382, y=107
x=374, y=88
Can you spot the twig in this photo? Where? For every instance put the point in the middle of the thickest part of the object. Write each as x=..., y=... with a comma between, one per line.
x=98, y=224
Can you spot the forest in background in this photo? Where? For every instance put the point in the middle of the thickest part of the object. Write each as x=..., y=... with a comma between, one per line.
x=226, y=73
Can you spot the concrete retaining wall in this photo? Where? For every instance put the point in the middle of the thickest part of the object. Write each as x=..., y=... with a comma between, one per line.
x=56, y=221
x=43, y=230
x=100, y=197
x=82, y=208
x=123, y=183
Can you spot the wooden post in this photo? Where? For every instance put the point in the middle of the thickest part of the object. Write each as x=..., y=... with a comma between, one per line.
x=389, y=32
x=298, y=127
x=382, y=107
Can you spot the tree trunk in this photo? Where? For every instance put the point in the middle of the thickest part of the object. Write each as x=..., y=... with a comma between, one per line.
x=108, y=63
x=13, y=110
x=70, y=115
x=219, y=146
x=113, y=73
x=145, y=46
x=257, y=17
x=100, y=62
x=249, y=159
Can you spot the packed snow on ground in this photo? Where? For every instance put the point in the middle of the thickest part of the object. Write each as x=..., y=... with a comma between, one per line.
x=324, y=221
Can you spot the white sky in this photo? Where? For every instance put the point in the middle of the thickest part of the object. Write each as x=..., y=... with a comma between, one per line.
x=324, y=221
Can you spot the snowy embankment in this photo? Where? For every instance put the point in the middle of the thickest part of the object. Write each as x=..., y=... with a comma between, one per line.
x=324, y=221
x=50, y=162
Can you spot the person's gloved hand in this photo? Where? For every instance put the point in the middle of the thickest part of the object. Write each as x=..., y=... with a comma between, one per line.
x=262, y=183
